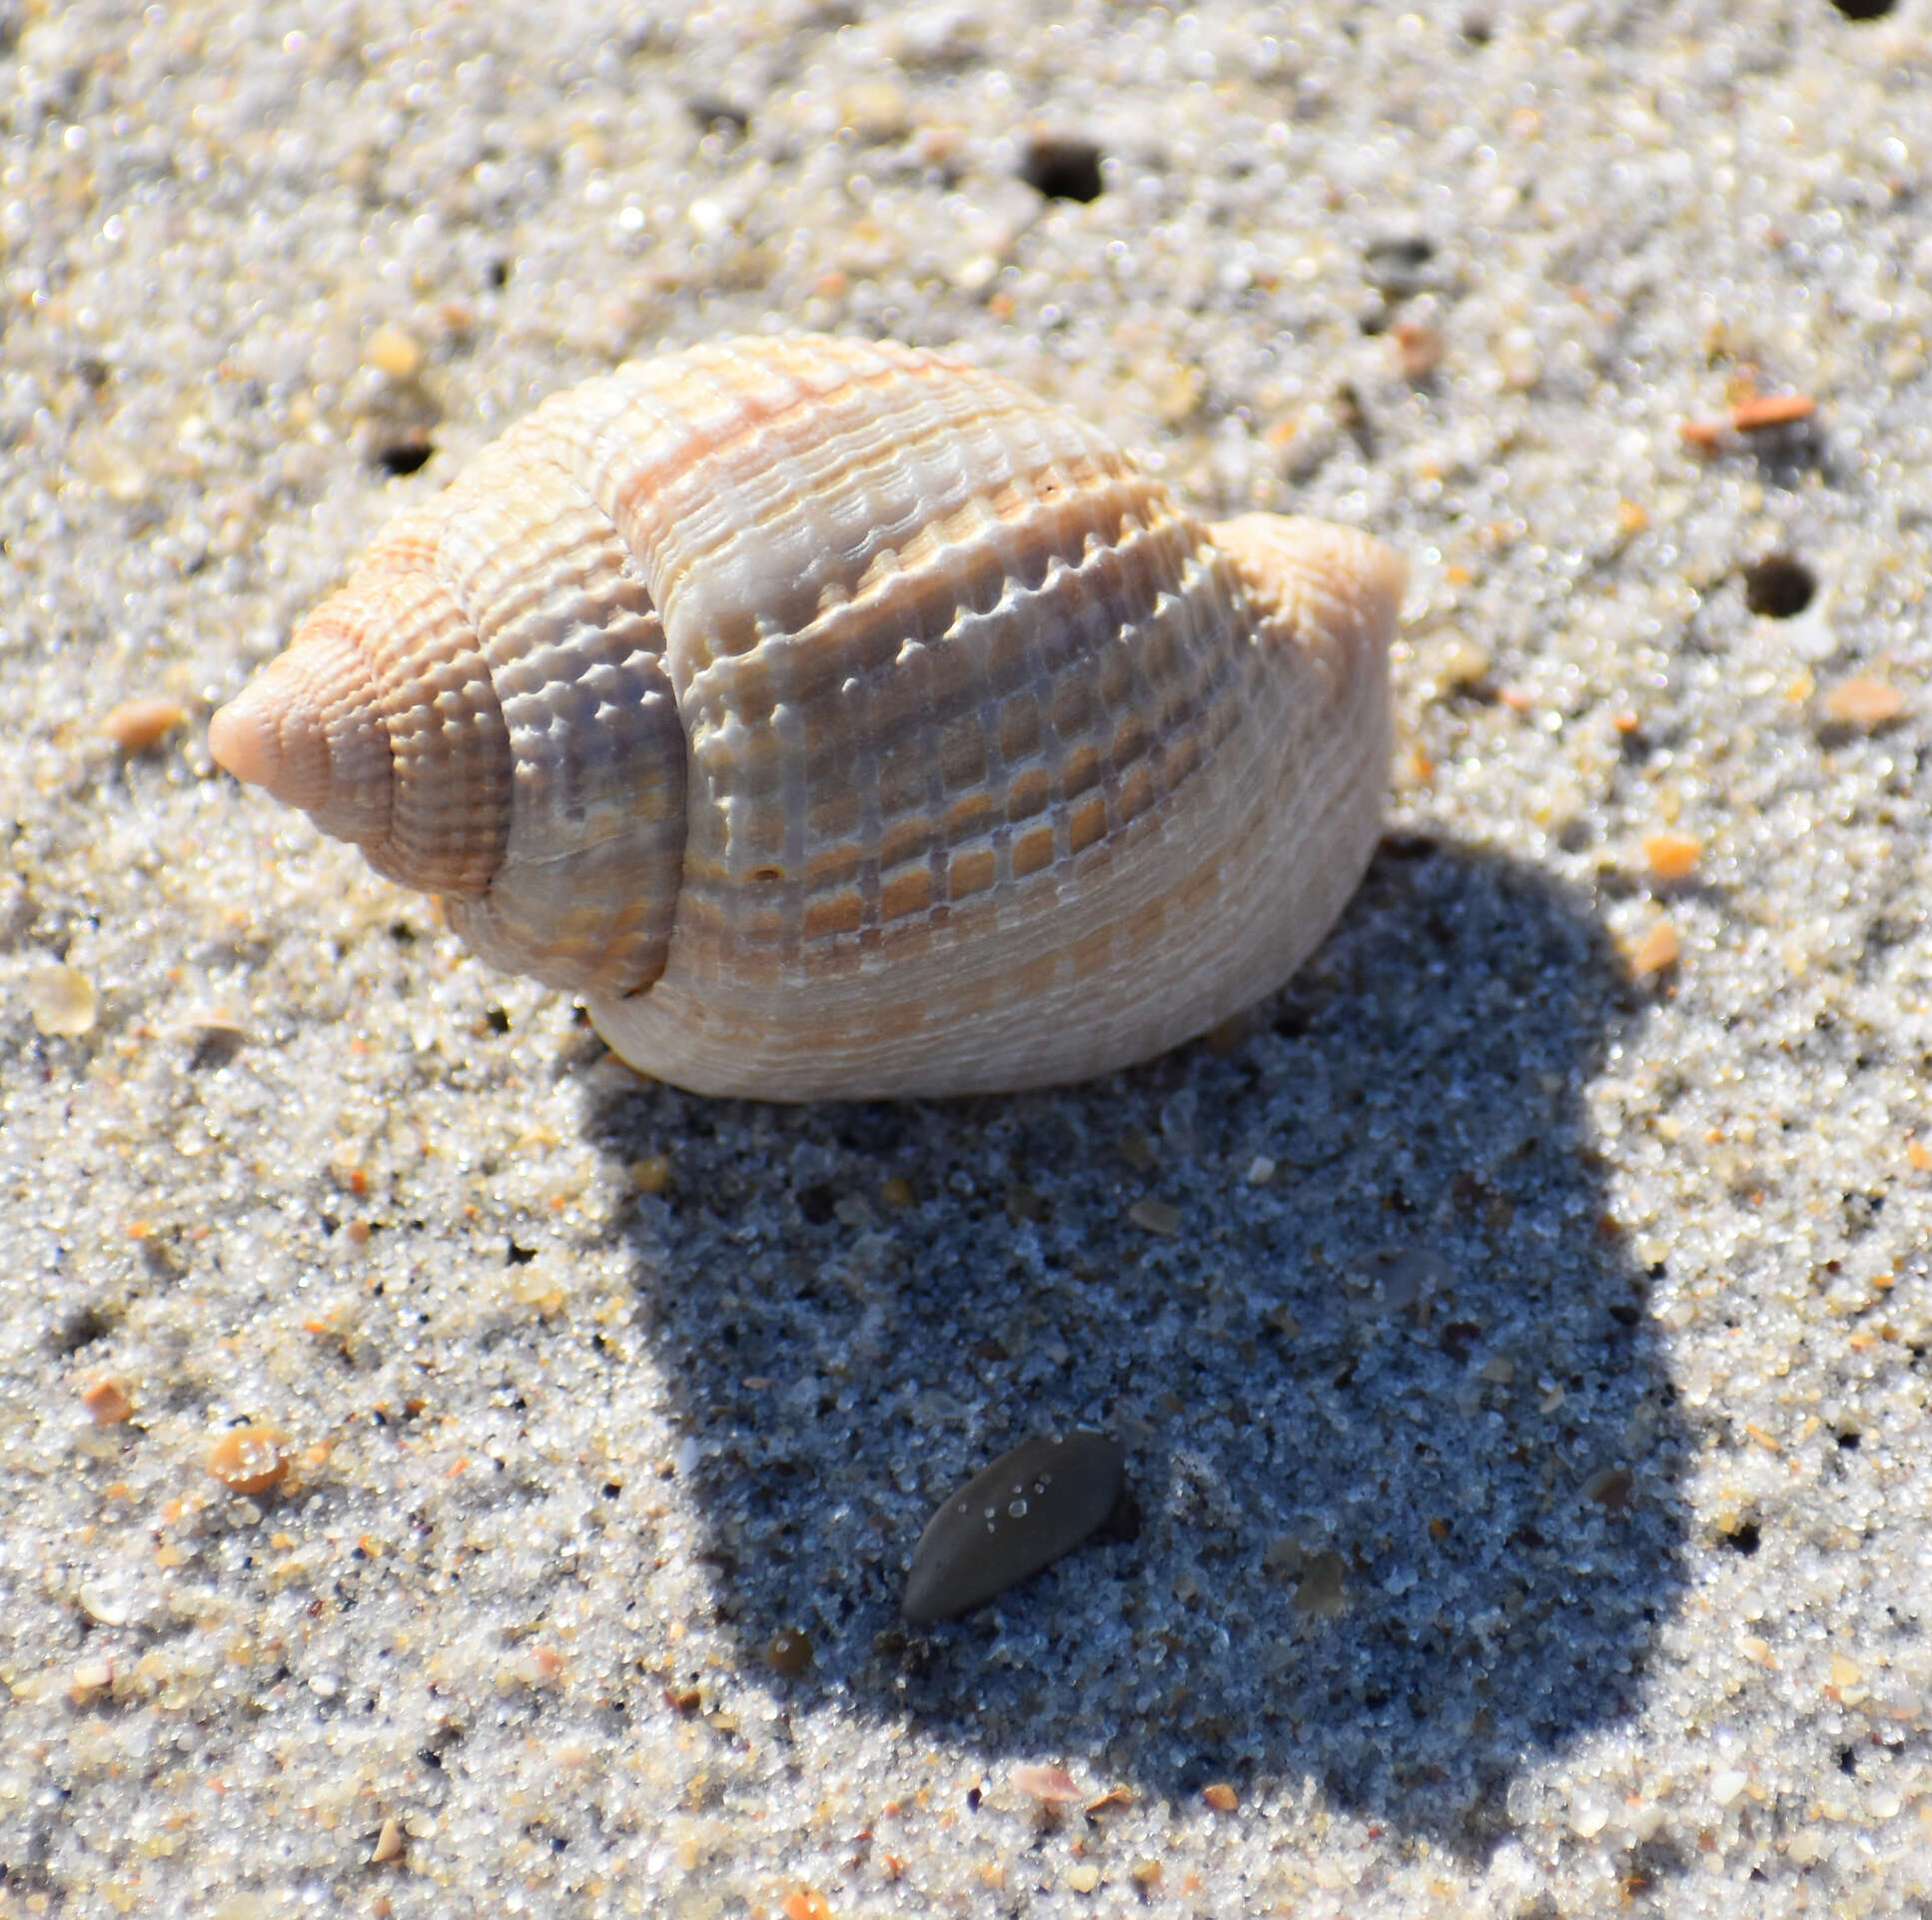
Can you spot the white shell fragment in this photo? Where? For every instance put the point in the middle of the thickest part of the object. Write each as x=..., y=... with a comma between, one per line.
x=841, y=720
x=1022, y=1513
x=61, y=1000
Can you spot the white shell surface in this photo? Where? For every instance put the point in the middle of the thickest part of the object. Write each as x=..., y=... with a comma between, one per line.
x=870, y=728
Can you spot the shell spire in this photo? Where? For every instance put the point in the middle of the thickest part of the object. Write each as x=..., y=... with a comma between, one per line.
x=276, y=736
x=842, y=720
x=382, y=723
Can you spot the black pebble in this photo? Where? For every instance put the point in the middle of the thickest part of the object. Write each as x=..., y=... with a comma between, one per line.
x=1030, y=1506
x=1778, y=586
x=407, y=455
x=1058, y=166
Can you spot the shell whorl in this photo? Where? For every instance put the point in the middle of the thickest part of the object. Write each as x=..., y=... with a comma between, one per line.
x=484, y=709
x=842, y=720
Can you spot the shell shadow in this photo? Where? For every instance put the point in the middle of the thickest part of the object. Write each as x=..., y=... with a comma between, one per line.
x=1395, y=1548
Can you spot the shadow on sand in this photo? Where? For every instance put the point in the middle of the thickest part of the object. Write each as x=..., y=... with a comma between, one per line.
x=1399, y=1545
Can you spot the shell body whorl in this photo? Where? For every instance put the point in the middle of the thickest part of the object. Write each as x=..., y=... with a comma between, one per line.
x=843, y=721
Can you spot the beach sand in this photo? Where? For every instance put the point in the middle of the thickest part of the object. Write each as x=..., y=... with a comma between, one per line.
x=1519, y=1332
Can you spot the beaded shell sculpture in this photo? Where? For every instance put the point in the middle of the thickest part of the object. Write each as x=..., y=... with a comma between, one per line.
x=841, y=720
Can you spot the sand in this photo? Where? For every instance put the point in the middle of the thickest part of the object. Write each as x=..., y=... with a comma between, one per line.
x=1521, y=1333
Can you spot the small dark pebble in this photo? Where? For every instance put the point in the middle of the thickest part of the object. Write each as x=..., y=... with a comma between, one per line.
x=402, y=456
x=789, y=1653
x=1059, y=167
x=819, y=1203
x=1778, y=586
x=1399, y=268
x=1399, y=845
x=1863, y=9
x=1022, y=1513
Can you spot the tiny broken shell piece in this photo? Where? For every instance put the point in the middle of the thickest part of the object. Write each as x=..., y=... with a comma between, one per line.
x=1865, y=701
x=789, y=1652
x=135, y=726
x=248, y=1459
x=1655, y=950
x=1020, y=1514
x=61, y=1000
x=1051, y=1786
x=106, y=1400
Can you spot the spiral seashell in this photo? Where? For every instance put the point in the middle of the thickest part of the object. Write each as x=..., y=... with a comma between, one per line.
x=840, y=721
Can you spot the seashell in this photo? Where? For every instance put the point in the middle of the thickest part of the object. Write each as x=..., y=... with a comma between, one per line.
x=842, y=722
x=1037, y=1501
